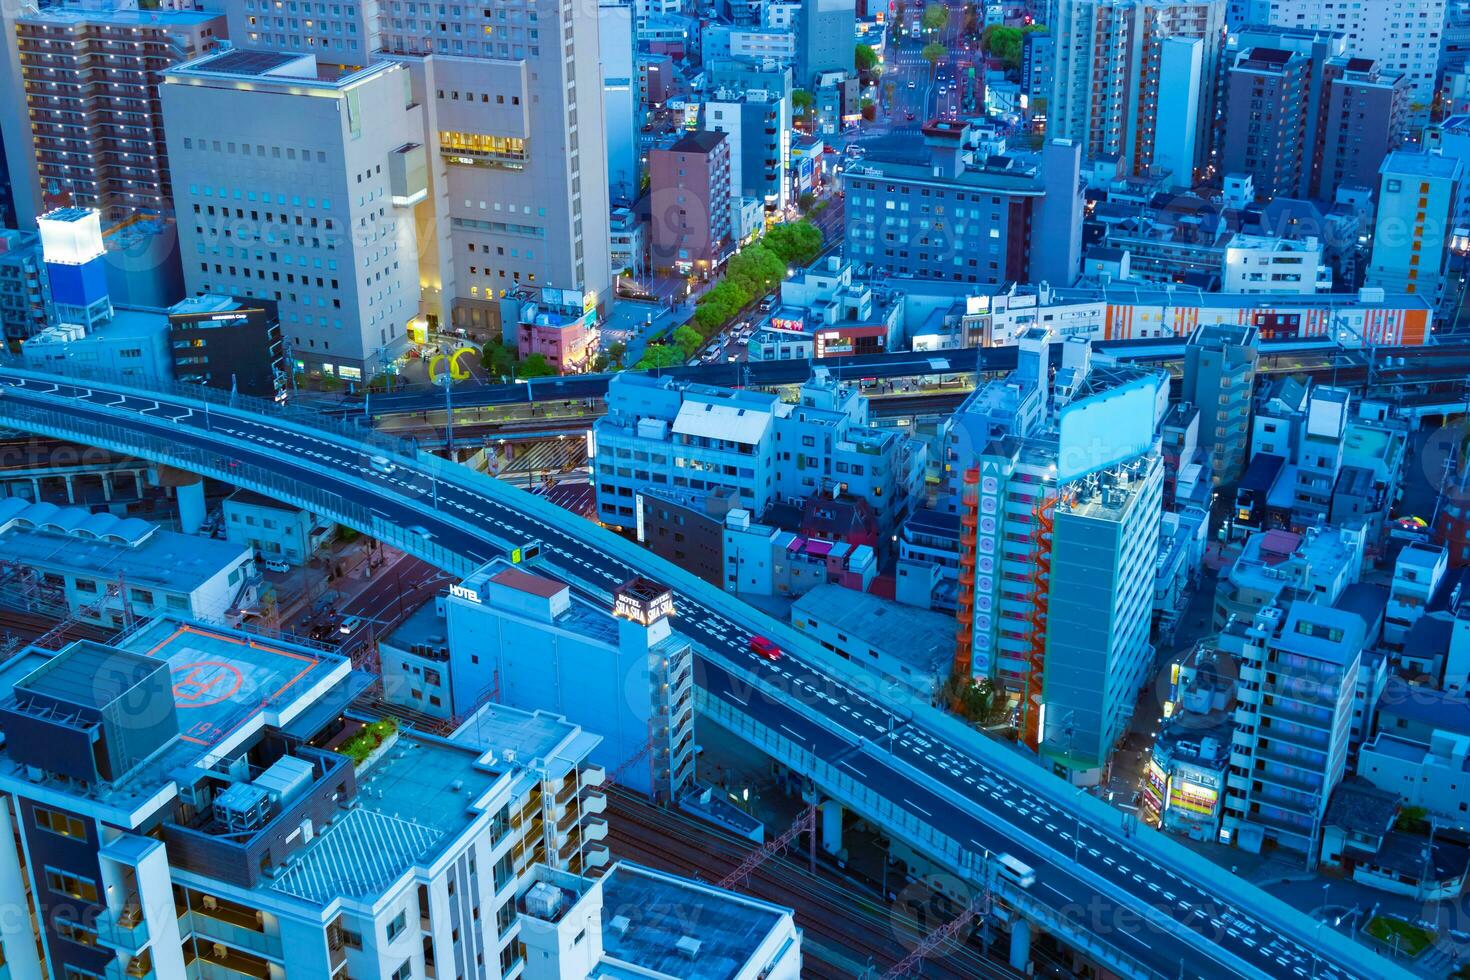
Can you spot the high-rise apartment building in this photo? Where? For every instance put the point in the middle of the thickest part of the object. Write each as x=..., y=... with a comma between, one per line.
x=1060, y=481
x=1305, y=116
x=1298, y=665
x=298, y=182
x=25, y=288
x=758, y=129
x=967, y=217
x=82, y=119
x=1219, y=379
x=1418, y=196
x=1117, y=84
x=1403, y=36
x=1266, y=128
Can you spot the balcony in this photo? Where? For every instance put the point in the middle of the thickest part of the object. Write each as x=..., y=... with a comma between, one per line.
x=593, y=776
x=216, y=926
x=595, y=856
x=123, y=929
x=136, y=968
x=594, y=803
x=595, y=830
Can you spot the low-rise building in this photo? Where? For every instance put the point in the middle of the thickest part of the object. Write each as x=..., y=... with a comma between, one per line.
x=131, y=345
x=1434, y=776
x=903, y=646
x=230, y=343
x=762, y=560
x=25, y=289
x=558, y=324
x=272, y=530
x=825, y=312
x=1318, y=564
x=114, y=571
x=1266, y=264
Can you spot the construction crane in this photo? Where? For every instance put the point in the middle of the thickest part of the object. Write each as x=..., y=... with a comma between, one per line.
x=805, y=821
x=979, y=904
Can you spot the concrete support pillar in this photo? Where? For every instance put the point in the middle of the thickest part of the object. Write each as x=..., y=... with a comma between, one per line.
x=106, y=486
x=35, y=489
x=138, y=484
x=1020, y=945
x=71, y=488
x=192, y=508
x=830, y=813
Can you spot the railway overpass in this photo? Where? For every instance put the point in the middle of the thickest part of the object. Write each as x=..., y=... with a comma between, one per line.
x=1127, y=897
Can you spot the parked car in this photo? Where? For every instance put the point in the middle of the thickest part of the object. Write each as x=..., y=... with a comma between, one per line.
x=275, y=565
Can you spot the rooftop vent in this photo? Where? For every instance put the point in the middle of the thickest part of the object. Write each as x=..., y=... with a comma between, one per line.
x=543, y=900
x=618, y=924
x=688, y=945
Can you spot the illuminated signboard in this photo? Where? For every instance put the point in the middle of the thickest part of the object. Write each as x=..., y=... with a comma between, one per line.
x=644, y=601
x=461, y=592
x=787, y=324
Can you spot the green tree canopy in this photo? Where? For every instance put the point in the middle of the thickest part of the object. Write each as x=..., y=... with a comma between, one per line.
x=933, y=52
x=616, y=351
x=687, y=339
x=660, y=356
x=498, y=358
x=802, y=101
x=864, y=58
x=936, y=16
x=1004, y=43
x=795, y=242
x=535, y=366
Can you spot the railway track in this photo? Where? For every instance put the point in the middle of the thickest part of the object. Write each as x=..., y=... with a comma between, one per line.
x=847, y=930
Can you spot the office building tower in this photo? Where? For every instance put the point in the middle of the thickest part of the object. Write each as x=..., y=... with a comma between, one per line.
x=300, y=180
x=1418, y=196
x=620, y=100
x=82, y=119
x=1060, y=480
x=1219, y=379
x=826, y=32
x=1117, y=87
x=166, y=823
x=1405, y=37
x=517, y=152
x=689, y=203
x=525, y=640
x=1022, y=215
x=1299, y=665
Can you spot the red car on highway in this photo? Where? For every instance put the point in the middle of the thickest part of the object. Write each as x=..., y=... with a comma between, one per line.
x=766, y=648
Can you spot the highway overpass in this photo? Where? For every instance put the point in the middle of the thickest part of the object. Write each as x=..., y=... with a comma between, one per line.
x=1129, y=897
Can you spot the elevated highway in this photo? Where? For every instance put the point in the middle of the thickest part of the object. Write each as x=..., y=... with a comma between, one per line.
x=1132, y=899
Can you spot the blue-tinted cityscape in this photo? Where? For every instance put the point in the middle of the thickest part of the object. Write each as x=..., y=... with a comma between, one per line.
x=734, y=489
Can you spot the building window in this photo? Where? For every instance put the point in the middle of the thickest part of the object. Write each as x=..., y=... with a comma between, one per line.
x=63, y=824
x=66, y=883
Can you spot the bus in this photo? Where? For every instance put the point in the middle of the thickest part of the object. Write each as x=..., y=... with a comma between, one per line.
x=1014, y=871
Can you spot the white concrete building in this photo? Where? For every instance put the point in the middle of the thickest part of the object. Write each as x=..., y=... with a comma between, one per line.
x=1268, y=264
x=114, y=571
x=1293, y=722
x=239, y=850
x=298, y=180
x=1435, y=777
x=621, y=111
x=273, y=530
x=1417, y=572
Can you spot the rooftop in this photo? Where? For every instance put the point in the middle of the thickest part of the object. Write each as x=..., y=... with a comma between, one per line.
x=916, y=636
x=72, y=540
x=420, y=793
x=649, y=917
x=538, y=739
x=262, y=67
